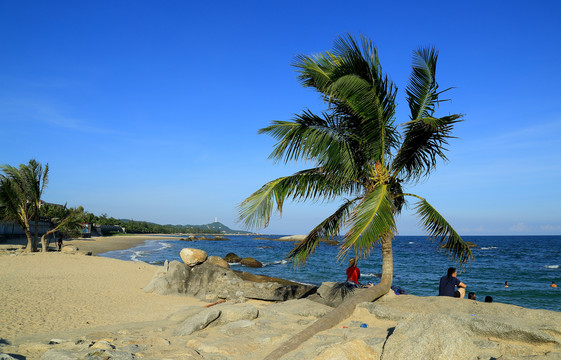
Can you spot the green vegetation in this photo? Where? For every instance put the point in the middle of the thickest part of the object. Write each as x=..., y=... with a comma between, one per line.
x=361, y=156
x=21, y=190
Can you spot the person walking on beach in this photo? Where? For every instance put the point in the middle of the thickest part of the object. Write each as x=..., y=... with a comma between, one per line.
x=353, y=274
x=59, y=242
x=449, y=283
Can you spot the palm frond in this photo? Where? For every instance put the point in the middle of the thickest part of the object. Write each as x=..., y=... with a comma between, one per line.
x=426, y=136
x=371, y=219
x=425, y=142
x=327, y=229
x=312, y=184
x=441, y=232
x=311, y=137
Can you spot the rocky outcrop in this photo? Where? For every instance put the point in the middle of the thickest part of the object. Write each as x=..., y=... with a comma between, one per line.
x=208, y=281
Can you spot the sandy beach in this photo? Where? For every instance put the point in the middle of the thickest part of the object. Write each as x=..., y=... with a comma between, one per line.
x=51, y=292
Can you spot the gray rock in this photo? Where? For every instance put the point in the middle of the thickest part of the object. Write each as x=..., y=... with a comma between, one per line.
x=429, y=336
x=184, y=313
x=55, y=354
x=171, y=279
x=232, y=313
x=208, y=281
x=197, y=322
x=300, y=307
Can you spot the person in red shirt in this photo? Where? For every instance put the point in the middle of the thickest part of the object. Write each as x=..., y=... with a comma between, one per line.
x=353, y=274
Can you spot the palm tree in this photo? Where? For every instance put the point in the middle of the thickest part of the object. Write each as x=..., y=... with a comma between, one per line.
x=20, y=196
x=61, y=219
x=362, y=157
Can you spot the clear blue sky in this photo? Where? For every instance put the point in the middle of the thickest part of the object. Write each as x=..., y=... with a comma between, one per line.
x=149, y=110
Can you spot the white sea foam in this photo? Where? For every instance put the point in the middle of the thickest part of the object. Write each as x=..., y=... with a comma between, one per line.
x=489, y=248
x=552, y=266
x=371, y=275
x=410, y=242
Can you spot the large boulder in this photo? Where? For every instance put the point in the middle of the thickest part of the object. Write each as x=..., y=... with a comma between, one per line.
x=429, y=336
x=193, y=257
x=170, y=279
x=251, y=262
x=210, y=282
x=197, y=322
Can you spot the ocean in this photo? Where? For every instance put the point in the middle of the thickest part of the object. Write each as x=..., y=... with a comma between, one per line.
x=528, y=263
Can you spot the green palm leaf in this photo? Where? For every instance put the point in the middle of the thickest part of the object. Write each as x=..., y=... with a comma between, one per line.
x=312, y=184
x=441, y=231
x=327, y=229
x=372, y=218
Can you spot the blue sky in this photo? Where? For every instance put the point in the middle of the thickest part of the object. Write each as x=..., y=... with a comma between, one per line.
x=149, y=110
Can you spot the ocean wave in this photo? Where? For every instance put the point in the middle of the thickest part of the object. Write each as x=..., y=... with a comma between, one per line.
x=552, y=266
x=371, y=275
x=488, y=248
x=410, y=242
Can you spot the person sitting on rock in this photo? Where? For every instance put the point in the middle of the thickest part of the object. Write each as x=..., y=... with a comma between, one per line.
x=488, y=299
x=353, y=274
x=449, y=283
x=471, y=296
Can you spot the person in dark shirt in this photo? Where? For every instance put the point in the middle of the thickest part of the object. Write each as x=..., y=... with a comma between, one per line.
x=449, y=284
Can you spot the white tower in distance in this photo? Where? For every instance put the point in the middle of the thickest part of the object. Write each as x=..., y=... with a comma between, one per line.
x=215, y=219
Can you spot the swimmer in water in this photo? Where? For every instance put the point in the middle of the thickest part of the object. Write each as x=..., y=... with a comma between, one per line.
x=553, y=285
x=506, y=283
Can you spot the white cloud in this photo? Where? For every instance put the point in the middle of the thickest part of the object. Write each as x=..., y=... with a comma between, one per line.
x=551, y=228
x=520, y=227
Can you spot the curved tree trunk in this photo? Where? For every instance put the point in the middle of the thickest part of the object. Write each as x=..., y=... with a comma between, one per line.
x=346, y=309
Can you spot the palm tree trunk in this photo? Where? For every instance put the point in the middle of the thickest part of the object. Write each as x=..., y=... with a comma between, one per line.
x=346, y=309
x=35, y=233
x=29, y=247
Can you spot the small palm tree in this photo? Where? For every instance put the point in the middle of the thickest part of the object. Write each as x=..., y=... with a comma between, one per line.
x=20, y=197
x=362, y=157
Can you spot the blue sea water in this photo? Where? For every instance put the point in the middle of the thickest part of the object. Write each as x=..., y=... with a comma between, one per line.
x=528, y=263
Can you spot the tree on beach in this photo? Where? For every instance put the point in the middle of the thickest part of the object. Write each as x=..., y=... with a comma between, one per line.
x=362, y=157
x=63, y=219
x=21, y=189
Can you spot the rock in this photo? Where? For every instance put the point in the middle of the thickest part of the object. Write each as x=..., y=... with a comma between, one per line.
x=217, y=260
x=251, y=262
x=169, y=280
x=352, y=350
x=102, y=345
x=429, y=336
x=197, y=322
x=69, y=249
x=333, y=293
x=55, y=354
x=184, y=313
x=192, y=257
x=231, y=313
x=293, y=238
x=207, y=281
x=232, y=258
x=300, y=307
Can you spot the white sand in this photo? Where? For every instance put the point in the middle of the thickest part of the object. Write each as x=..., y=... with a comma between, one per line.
x=49, y=292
